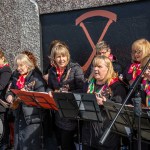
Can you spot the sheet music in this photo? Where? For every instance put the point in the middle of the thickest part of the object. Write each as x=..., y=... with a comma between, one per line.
x=79, y=102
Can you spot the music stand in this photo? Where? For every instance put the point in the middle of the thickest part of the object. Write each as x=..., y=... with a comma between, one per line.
x=77, y=106
x=1, y=128
x=127, y=124
x=37, y=99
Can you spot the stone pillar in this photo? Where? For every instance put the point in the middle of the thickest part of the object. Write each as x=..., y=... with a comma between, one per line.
x=19, y=28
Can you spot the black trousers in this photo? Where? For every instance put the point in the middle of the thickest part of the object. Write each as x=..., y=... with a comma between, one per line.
x=5, y=127
x=65, y=138
x=27, y=137
x=85, y=147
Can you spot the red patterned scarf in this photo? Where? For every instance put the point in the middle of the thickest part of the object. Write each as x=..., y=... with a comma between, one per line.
x=20, y=82
x=135, y=70
x=59, y=73
x=105, y=86
x=146, y=85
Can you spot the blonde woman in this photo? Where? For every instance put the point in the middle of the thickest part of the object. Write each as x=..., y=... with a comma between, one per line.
x=105, y=84
x=64, y=76
x=140, y=49
x=29, y=120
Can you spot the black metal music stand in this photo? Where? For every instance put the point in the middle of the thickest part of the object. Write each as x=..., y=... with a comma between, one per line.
x=1, y=128
x=127, y=123
x=77, y=106
x=135, y=85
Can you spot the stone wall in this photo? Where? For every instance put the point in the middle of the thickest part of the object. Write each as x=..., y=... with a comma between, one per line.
x=47, y=6
x=20, y=26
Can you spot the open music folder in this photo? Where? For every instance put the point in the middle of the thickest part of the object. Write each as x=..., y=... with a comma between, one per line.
x=37, y=99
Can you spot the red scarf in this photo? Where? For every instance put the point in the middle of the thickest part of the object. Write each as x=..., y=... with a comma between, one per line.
x=113, y=80
x=20, y=82
x=135, y=70
x=59, y=73
x=111, y=57
x=6, y=64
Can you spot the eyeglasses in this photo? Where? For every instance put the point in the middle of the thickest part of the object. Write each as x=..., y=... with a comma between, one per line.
x=136, y=52
x=102, y=53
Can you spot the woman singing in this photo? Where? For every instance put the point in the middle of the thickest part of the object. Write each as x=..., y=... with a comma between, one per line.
x=104, y=83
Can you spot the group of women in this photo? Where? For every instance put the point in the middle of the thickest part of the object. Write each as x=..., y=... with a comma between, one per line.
x=38, y=128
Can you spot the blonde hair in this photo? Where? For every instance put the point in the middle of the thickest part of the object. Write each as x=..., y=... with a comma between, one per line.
x=24, y=59
x=31, y=56
x=60, y=49
x=144, y=61
x=111, y=73
x=143, y=45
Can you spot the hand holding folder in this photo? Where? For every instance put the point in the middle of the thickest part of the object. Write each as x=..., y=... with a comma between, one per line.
x=14, y=105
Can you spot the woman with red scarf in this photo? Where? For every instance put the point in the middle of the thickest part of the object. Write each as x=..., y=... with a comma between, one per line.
x=140, y=49
x=64, y=76
x=29, y=121
x=5, y=74
x=104, y=83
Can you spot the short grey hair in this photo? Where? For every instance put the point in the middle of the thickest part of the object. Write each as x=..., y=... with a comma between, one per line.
x=25, y=60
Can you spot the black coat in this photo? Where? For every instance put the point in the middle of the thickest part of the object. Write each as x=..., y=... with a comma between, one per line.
x=75, y=81
x=5, y=74
x=31, y=114
x=92, y=130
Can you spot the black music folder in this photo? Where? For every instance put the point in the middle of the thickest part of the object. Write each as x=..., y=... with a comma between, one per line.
x=77, y=105
x=127, y=123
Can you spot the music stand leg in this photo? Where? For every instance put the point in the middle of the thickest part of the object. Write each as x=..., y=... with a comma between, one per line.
x=131, y=141
x=42, y=132
x=78, y=120
x=138, y=112
x=139, y=133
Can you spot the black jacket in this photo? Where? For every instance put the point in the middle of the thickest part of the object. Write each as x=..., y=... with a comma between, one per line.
x=31, y=114
x=75, y=81
x=92, y=130
x=5, y=74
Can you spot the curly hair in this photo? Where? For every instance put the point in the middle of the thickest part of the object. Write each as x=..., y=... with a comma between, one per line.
x=31, y=56
x=2, y=55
